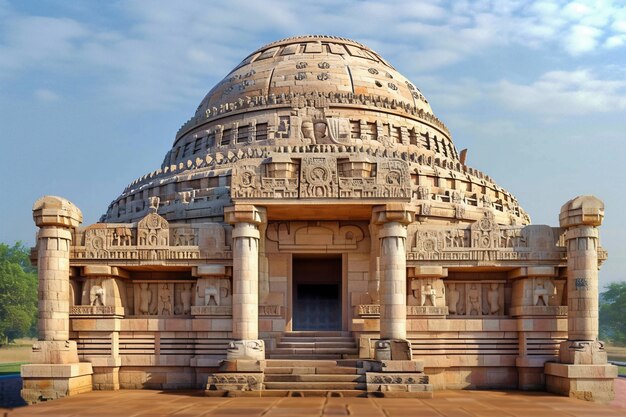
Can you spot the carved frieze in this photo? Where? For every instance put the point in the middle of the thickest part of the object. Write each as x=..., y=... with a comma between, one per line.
x=484, y=240
x=475, y=298
x=318, y=177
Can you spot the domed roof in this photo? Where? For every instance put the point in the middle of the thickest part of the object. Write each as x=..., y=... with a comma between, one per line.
x=314, y=118
x=324, y=64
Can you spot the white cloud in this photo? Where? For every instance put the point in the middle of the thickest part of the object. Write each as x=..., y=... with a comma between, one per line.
x=581, y=39
x=563, y=93
x=167, y=54
x=45, y=95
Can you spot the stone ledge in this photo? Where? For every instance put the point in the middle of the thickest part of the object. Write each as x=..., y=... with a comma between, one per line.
x=56, y=371
x=538, y=311
x=581, y=371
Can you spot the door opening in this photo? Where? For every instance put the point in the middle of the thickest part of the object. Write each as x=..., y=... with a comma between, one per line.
x=316, y=293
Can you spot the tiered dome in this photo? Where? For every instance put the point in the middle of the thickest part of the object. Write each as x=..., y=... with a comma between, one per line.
x=309, y=94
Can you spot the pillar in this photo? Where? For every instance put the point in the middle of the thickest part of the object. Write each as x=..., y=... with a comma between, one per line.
x=246, y=219
x=392, y=220
x=54, y=371
x=582, y=371
x=55, y=217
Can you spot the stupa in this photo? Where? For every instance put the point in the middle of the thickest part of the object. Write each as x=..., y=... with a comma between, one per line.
x=315, y=231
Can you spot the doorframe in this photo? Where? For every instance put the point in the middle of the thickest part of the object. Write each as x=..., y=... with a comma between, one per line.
x=343, y=297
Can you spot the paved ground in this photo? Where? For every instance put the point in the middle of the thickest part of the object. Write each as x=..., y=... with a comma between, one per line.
x=446, y=403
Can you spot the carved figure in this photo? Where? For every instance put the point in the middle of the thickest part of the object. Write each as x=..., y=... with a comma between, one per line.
x=166, y=299
x=145, y=298
x=428, y=293
x=542, y=292
x=122, y=236
x=97, y=296
x=185, y=298
x=211, y=291
x=454, y=296
x=474, y=300
x=493, y=298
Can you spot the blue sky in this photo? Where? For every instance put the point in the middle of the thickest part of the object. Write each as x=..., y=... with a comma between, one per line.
x=92, y=93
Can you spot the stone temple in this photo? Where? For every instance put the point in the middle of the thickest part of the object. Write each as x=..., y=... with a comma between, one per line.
x=315, y=231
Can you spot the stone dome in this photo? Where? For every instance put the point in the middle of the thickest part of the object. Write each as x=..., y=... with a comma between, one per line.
x=321, y=97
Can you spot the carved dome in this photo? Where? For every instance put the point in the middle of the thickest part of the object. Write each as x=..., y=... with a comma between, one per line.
x=319, y=64
x=324, y=99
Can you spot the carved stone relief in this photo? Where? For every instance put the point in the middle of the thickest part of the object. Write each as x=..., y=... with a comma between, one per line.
x=153, y=230
x=318, y=177
x=475, y=298
x=426, y=292
x=213, y=291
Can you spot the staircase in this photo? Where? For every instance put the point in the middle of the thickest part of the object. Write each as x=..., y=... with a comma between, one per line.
x=315, y=378
x=310, y=345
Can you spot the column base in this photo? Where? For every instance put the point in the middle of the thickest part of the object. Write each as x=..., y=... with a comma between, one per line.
x=385, y=350
x=585, y=382
x=251, y=349
x=54, y=352
x=583, y=372
x=43, y=382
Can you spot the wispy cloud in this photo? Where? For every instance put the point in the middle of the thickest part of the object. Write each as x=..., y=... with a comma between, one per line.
x=168, y=54
x=563, y=93
x=45, y=95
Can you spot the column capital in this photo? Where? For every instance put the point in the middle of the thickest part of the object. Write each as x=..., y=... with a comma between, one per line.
x=393, y=212
x=56, y=211
x=245, y=213
x=585, y=210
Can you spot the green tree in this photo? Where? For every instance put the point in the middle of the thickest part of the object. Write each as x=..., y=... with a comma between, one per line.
x=18, y=293
x=613, y=313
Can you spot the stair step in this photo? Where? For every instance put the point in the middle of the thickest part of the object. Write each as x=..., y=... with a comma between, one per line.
x=314, y=345
x=328, y=378
x=317, y=339
x=323, y=385
x=307, y=363
x=305, y=356
x=311, y=351
x=316, y=333
x=295, y=370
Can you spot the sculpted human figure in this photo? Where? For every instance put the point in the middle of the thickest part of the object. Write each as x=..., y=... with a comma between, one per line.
x=211, y=291
x=166, y=299
x=428, y=294
x=493, y=298
x=542, y=292
x=454, y=296
x=185, y=298
x=97, y=296
x=145, y=298
x=474, y=300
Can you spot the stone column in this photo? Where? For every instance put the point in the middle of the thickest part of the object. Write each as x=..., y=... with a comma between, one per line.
x=55, y=218
x=581, y=217
x=583, y=371
x=54, y=371
x=392, y=220
x=246, y=219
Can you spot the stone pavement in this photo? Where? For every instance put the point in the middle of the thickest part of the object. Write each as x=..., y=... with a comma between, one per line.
x=446, y=403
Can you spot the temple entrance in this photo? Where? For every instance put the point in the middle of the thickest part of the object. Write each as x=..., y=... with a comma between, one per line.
x=316, y=293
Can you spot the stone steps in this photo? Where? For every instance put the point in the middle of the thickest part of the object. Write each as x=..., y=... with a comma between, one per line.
x=339, y=370
x=314, y=345
x=318, y=385
x=313, y=378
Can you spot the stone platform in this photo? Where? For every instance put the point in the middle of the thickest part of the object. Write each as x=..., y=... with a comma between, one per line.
x=445, y=403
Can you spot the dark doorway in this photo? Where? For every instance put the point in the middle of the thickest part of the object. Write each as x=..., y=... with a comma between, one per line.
x=316, y=293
